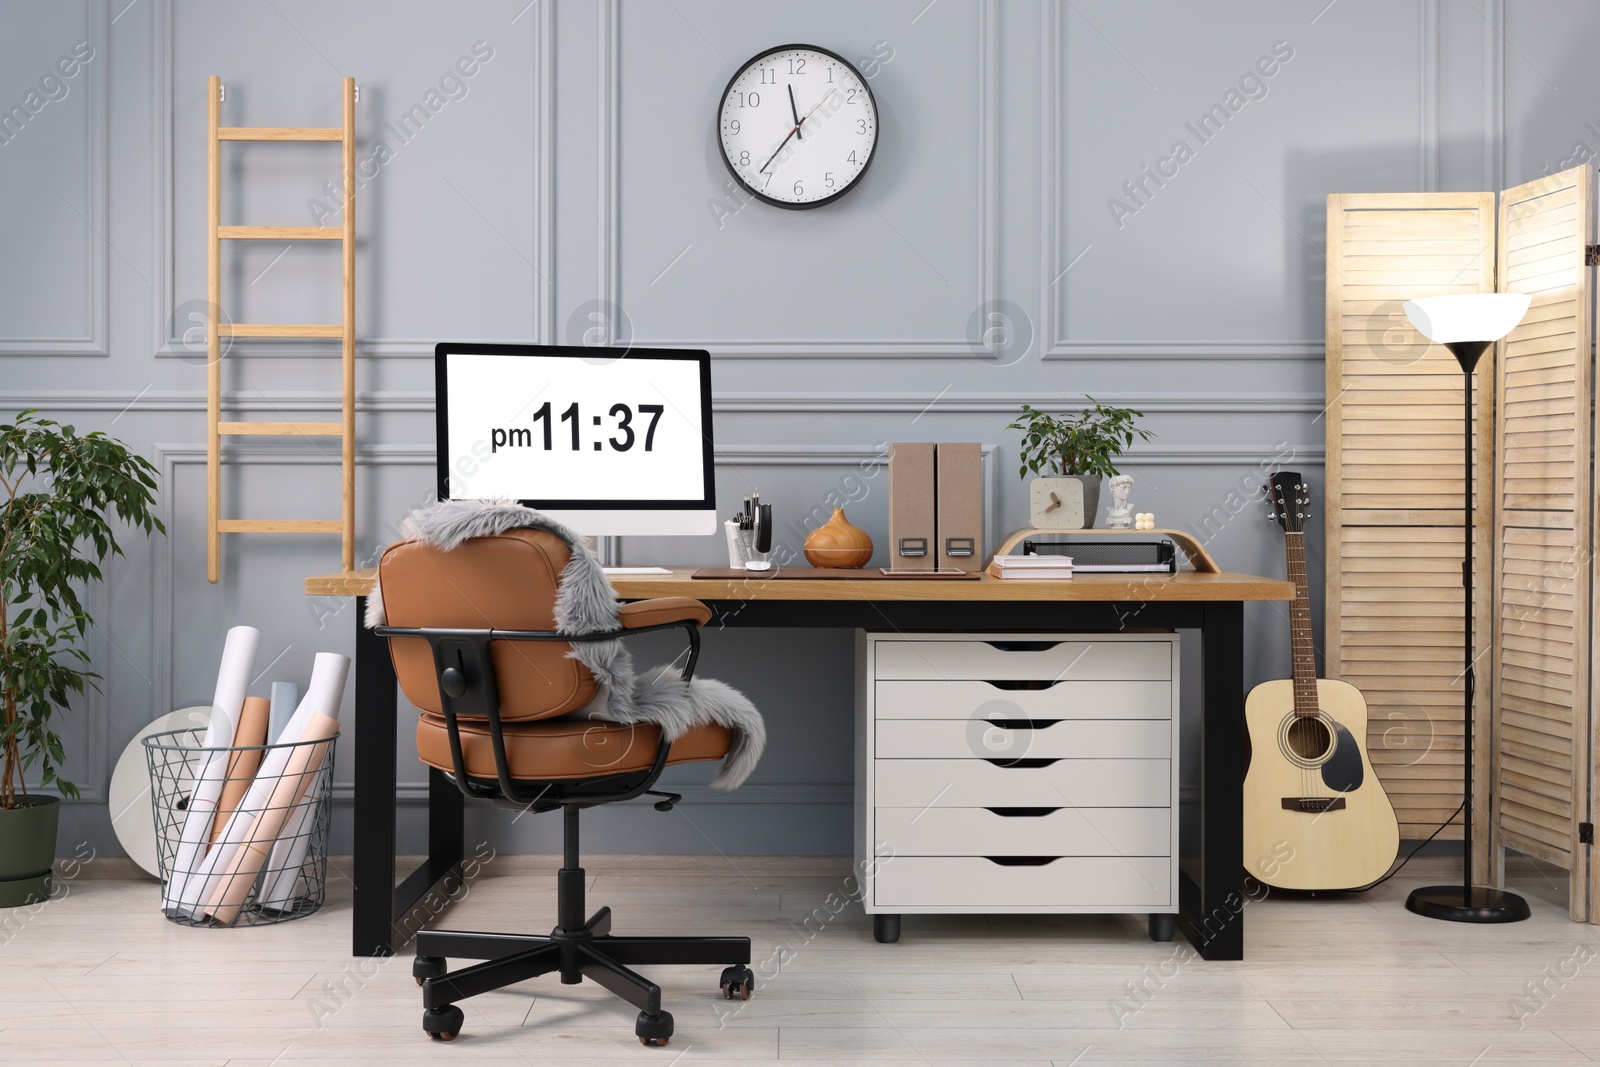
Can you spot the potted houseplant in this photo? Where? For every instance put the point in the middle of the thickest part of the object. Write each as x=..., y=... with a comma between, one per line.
x=1079, y=447
x=58, y=492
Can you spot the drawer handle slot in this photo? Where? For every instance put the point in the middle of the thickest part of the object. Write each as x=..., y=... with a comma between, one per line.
x=1022, y=861
x=1023, y=813
x=1022, y=685
x=1023, y=646
x=1023, y=764
x=1022, y=724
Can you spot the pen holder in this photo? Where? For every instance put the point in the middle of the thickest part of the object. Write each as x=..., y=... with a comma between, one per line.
x=741, y=546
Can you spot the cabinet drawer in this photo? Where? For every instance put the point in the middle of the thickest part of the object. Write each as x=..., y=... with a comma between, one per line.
x=976, y=783
x=940, y=831
x=1043, y=660
x=1067, y=738
x=1115, y=883
x=965, y=699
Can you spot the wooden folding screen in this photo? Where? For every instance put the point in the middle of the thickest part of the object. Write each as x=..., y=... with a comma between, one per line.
x=1543, y=589
x=1393, y=514
x=1394, y=487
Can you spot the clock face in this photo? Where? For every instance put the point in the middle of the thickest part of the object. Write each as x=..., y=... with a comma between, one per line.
x=1057, y=504
x=798, y=126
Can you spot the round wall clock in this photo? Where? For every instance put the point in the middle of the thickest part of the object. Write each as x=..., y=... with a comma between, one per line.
x=798, y=126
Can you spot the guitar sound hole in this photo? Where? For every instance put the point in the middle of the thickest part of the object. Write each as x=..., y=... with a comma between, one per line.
x=1309, y=740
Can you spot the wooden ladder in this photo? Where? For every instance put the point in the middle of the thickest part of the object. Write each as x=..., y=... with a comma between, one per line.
x=216, y=330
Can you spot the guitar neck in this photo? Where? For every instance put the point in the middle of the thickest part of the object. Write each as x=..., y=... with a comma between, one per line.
x=1301, y=643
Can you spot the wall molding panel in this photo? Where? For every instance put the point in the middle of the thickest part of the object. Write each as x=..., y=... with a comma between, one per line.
x=795, y=402
x=96, y=213
x=1428, y=102
x=986, y=41
x=169, y=457
x=543, y=238
x=1056, y=258
x=1494, y=94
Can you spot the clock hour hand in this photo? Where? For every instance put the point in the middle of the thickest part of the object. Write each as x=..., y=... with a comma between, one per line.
x=796, y=113
x=775, y=151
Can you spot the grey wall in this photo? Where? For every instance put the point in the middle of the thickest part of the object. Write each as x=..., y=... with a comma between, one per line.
x=578, y=176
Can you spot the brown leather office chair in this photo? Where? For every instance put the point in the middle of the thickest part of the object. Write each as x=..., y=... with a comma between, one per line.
x=472, y=633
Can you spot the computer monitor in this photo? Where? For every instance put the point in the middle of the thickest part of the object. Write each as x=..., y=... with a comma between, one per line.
x=606, y=441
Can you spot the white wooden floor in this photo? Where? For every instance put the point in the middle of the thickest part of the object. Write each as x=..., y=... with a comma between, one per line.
x=97, y=976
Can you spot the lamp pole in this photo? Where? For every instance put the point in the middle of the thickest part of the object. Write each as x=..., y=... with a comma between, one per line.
x=1468, y=904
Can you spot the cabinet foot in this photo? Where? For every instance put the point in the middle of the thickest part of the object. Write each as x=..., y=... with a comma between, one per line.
x=1163, y=926
x=886, y=929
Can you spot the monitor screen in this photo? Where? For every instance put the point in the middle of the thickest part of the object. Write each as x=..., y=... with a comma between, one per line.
x=607, y=443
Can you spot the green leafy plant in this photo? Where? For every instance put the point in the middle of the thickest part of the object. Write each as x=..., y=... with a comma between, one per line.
x=60, y=490
x=1084, y=443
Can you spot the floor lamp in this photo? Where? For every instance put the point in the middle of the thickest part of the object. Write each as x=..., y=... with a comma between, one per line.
x=1467, y=325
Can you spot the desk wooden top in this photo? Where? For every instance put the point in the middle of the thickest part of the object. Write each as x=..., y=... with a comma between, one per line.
x=1184, y=586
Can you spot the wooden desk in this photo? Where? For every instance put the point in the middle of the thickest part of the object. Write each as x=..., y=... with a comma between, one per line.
x=1212, y=891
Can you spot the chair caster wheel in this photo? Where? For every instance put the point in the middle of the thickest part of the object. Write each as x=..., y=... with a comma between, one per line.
x=443, y=1024
x=425, y=967
x=738, y=982
x=654, y=1029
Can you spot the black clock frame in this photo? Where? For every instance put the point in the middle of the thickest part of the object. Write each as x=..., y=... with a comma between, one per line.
x=752, y=190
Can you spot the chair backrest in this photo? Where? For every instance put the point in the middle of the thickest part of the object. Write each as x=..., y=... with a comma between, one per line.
x=504, y=582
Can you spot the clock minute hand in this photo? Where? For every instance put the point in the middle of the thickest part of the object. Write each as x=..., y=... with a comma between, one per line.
x=775, y=151
x=796, y=113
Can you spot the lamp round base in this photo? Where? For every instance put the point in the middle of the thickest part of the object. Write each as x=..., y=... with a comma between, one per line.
x=1457, y=904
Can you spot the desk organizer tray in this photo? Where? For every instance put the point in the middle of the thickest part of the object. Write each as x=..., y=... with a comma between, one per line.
x=869, y=574
x=1110, y=556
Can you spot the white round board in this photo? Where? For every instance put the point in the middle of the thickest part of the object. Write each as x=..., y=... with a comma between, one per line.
x=129, y=793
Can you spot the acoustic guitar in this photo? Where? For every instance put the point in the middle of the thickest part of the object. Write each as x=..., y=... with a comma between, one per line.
x=1315, y=814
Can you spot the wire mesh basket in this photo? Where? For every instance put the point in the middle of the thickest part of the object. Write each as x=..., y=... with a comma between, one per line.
x=241, y=831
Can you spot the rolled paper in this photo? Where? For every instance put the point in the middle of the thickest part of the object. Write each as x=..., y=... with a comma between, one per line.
x=285, y=695
x=323, y=697
x=233, y=676
x=242, y=764
x=281, y=876
x=229, y=887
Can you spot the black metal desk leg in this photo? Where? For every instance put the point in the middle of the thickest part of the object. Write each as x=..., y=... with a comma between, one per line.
x=446, y=832
x=1213, y=899
x=372, y=914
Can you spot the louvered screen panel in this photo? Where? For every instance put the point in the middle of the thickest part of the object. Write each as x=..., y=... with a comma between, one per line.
x=1395, y=478
x=1542, y=523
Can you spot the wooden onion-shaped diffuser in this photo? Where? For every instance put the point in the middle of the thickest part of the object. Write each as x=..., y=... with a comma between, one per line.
x=836, y=543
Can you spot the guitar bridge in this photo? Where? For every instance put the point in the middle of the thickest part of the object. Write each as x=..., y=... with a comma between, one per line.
x=1313, y=805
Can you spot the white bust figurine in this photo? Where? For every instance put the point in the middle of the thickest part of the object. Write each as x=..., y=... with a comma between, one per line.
x=1120, y=515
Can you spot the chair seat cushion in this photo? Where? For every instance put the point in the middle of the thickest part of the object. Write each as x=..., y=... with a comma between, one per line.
x=558, y=749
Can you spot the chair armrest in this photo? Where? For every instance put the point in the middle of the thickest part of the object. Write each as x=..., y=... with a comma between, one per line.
x=662, y=610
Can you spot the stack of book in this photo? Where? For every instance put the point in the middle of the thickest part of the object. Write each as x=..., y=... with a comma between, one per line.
x=1031, y=567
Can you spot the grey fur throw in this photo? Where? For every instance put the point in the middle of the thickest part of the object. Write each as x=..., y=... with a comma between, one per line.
x=586, y=603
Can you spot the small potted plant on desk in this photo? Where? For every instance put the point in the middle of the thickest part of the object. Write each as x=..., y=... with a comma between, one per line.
x=58, y=490
x=1078, y=447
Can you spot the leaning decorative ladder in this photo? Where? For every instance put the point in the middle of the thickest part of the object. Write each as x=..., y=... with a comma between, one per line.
x=216, y=233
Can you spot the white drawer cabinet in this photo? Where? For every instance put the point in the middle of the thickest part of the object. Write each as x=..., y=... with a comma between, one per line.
x=1017, y=773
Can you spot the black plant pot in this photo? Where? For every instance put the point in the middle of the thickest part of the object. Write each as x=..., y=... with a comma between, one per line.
x=27, y=849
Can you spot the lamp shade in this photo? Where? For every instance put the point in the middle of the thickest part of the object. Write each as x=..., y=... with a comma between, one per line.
x=1467, y=316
